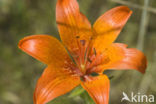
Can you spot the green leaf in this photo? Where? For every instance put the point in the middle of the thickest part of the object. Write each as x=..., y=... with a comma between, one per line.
x=87, y=99
x=77, y=91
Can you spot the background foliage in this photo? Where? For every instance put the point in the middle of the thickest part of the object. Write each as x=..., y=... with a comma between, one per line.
x=19, y=71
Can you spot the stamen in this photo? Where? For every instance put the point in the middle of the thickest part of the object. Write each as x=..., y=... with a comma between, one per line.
x=85, y=53
x=75, y=56
x=94, y=50
x=82, y=42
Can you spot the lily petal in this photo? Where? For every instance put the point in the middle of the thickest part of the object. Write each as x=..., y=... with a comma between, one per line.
x=109, y=25
x=44, y=48
x=98, y=88
x=119, y=57
x=57, y=78
x=73, y=26
x=55, y=81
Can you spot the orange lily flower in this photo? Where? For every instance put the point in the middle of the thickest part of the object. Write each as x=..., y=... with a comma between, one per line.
x=91, y=50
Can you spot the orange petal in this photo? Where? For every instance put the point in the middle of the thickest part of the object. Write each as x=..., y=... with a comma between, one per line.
x=120, y=58
x=98, y=88
x=73, y=26
x=44, y=48
x=54, y=82
x=109, y=25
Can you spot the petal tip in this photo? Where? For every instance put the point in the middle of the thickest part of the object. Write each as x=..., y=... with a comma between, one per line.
x=145, y=65
x=22, y=41
x=20, y=44
x=127, y=10
x=124, y=10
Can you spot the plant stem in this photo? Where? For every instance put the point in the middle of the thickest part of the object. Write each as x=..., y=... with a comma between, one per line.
x=149, y=9
x=143, y=26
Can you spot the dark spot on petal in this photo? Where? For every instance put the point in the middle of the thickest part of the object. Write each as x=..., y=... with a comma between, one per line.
x=91, y=38
x=82, y=42
x=106, y=60
x=77, y=37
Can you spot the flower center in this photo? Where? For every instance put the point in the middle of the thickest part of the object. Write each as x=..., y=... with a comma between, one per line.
x=87, y=56
x=83, y=68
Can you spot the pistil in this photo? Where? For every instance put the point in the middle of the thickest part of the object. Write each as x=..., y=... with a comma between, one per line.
x=83, y=68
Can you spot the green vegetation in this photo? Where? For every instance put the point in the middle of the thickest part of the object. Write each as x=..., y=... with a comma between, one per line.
x=19, y=72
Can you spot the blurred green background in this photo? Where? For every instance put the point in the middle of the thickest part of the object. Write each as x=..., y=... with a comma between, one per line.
x=19, y=72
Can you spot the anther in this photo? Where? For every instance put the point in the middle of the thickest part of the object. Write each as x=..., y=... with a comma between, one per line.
x=89, y=60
